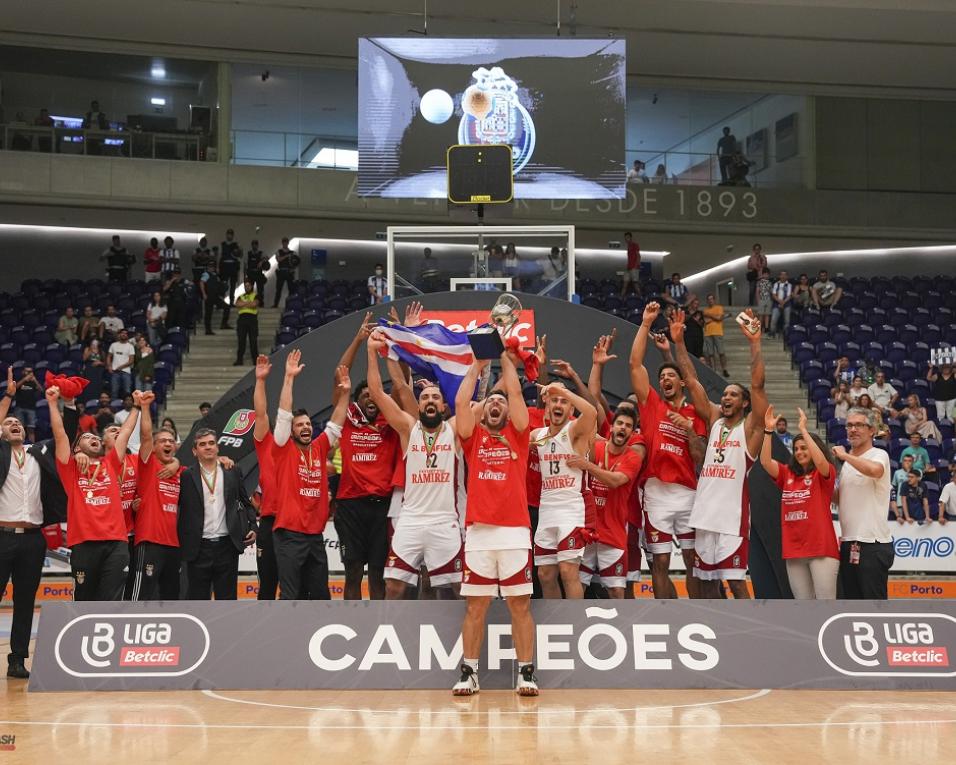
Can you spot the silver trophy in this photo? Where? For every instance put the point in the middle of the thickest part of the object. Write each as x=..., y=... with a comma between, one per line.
x=505, y=313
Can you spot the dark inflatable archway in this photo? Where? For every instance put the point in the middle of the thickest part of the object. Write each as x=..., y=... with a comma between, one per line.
x=571, y=329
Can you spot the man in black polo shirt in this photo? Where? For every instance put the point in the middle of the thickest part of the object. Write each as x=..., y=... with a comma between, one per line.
x=285, y=269
x=118, y=260
x=257, y=265
x=230, y=259
x=210, y=287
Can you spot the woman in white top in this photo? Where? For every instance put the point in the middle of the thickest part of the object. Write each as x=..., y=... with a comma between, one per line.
x=156, y=319
x=915, y=419
x=863, y=496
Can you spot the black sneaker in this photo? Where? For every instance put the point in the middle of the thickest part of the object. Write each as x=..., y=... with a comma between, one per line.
x=527, y=682
x=18, y=670
x=467, y=684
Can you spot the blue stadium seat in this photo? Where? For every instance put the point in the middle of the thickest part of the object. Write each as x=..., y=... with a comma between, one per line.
x=908, y=334
x=312, y=319
x=836, y=430
x=819, y=334
x=819, y=389
x=896, y=352
x=827, y=352
x=811, y=370
x=931, y=334
x=863, y=334
x=840, y=334
x=285, y=336
x=907, y=371
x=804, y=352
x=54, y=353
x=873, y=351
x=886, y=334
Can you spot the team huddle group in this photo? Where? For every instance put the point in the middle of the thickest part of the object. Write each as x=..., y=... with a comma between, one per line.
x=478, y=503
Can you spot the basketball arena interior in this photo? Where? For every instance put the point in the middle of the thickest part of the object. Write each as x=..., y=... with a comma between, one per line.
x=344, y=344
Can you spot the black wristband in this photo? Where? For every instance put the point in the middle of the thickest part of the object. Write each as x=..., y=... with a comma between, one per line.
x=10, y=395
x=137, y=406
x=768, y=432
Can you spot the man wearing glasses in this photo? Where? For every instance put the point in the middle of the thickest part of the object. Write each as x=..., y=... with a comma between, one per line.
x=862, y=495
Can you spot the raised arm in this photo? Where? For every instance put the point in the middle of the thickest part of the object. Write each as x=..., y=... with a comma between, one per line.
x=402, y=393
x=585, y=425
x=767, y=462
x=564, y=369
x=340, y=396
x=11, y=392
x=640, y=380
x=706, y=409
x=820, y=462
x=348, y=358
x=517, y=409
x=141, y=411
x=400, y=420
x=465, y=417
x=60, y=439
x=600, y=356
x=869, y=468
x=293, y=369
x=259, y=402
x=145, y=430
x=541, y=352
x=758, y=392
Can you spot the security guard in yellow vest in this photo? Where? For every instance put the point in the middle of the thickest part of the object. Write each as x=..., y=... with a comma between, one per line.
x=247, y=326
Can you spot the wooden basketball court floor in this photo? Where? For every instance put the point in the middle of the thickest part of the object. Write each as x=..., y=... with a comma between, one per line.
x=426, y=727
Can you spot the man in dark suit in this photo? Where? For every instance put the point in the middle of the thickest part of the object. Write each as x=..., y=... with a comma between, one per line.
x=31, y=496
x=216, y=522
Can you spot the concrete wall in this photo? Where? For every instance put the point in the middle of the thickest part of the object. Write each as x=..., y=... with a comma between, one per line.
x=883, y=144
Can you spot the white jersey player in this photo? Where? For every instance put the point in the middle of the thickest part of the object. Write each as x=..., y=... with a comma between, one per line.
x=721, y=512
x=563, y=522
x=427, y=529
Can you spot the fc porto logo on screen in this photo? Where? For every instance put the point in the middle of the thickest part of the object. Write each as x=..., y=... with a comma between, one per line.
x=240, y=423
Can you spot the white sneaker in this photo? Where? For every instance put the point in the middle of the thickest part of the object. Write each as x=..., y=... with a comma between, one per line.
x=527, y=682
x=467, y=684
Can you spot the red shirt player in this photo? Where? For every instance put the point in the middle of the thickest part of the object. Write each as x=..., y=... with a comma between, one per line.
x=497, y=524
x=156, y=550
x=370, y=449
x=96, y=530
x=675, y=447
x=613, y=473
x=632, y=276
x=263, y=441
x=302, y=489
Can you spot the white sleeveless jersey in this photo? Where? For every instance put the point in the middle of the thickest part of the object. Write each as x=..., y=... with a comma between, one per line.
x=562, y=498
x=431, y=477
x=722, y=503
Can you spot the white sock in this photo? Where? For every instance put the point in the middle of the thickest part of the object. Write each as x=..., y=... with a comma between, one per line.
x=473, y=663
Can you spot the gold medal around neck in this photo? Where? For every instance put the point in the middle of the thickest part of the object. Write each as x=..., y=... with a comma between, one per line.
x=514, y=455
x=89, y=494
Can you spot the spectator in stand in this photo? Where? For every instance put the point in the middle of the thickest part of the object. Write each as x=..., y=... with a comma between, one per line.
x=694, y=332
x=105, y=416
x=801, y=293
x=88, y=328
x=109, y=326
x=899, y=480
x=66, y=328
x=883, y=394
x=257, y=266
x=780, y=428
x=714, y=335
x=169, y=257
x=144, y=365
x=175, y=294
x=913, y=498
x=632, y=274
x=122, y=416
x=118, y=260
x=764, y=299
x=726, y=148
x=119, y=363
x=943, y=381
x=202, y=256
x=920, y=456
x=866, y=402
x=842, y=371
x=94, y=367
x=210, y=288
x=44, y=142
x=169, y=425
x=947, y=500
x=230, y=262
x=286, y=263
x=156, y=314
x=637, y=173
x=95, y=120
x=675, y=293
x=809, y=544
x=857, y=389
x=429, y=274
x=204, y=408
x=915, y=419
x=824, y=293
x=756, y=264
x=377, y=285
x=866, y=549
x=87, y=422
x=660, y=175
x=841, y=400
x=152, y=261
x=28, y=393
x=511, y=265
x=782, y=294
